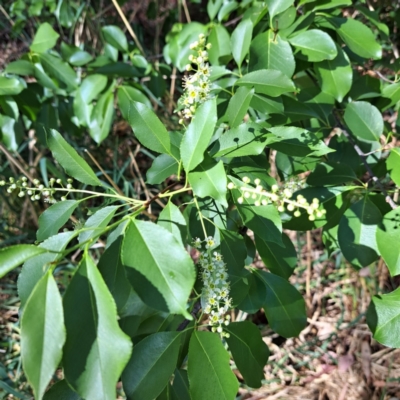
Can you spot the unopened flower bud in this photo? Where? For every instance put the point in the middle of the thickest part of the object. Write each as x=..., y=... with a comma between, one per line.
x=231, y=185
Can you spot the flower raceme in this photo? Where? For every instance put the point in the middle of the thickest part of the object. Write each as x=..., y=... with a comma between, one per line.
x=215, y=299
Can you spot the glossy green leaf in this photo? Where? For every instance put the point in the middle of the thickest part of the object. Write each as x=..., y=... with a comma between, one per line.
x=241, y=39
x=45, y=38
x=238, y=106
x=383, y=318
x=80, y=58
x=42, y=334
x=244, y=140
x=220, y=52
x=180, y=387
x=155, y=253
x=61, y=391
x=172, y=219
x=364, y=120
x=269, y=51
x=59, y=70
x=11, y=86
x=96, y=350
x=357, y=233
x=280, y=260
x=102, y=117
x=163, y=167
x=267, y=105
x=284, y=306
x=92, y=86
x=358, y=37
x=54, y=218
x=255, y=295
x=277, y=6
x=149, y=130
x=11, y=257
x=267, y=81
x=66, y=155
x=329, y=173
x=198, y=134
x=393, y=165
x=210, y=376
x=315, y=45
x=96, y=223
x=209, y=179
x=233, y=250
x=128, y=94
x=335, y=76
x=388, y=239
x=151, y=366
x=114, y=36
x=249, y=351
x=20, y=67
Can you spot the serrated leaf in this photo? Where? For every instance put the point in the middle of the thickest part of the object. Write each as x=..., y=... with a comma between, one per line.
x=331, y=173
x=11, y=257
x=114, y=36
x=269, y=51
x=210, y=376
x=42, y=334
x=383, y=318
x=238, y=106
x=364, y=120
x=172, y=219
x=284, y=306
x=93, y=361
x=52, y=219
x=66, y=155
x=163, y=167
x=393, y=165
x=241, y=39
x=357, y=233
x=45, y=38
x=147, y=127
x=267, y=81
x=388, y=239
x=198, y=134
x=249, y=351
x=151, y=366
x=155, y=253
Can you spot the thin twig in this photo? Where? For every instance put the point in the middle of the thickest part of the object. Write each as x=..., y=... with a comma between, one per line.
x=185, y=322
x=308, y=274
x=16, y=163
x=172, y=90
x=187, y=15
x=364, y=160
x=128, y=26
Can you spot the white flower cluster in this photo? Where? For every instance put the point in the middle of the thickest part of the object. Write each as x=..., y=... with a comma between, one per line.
x=280, y=197
x=197, y=86
x=215, y=298
x=37, y=190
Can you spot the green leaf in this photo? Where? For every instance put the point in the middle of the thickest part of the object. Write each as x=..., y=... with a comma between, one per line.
x=11, y=86
x=149, y=130
x=364, y=120
x=330, y=173
x=66, y=155
x=244, y=140
x=163, y=167
x=388, y=239
x=52, y=219
x=233, y=250
x=383, y=318
x=238, y=106
x=267, y=105
x=96, y=350
x=210, y=376
x=267, y=81
x=61, y=391
x=129, y=94
x=114, y=36
x=284, y=306
x=269, y=51
x=155, y=253
x=151, y=366
x=240, y=40
x=102, y=118
x=393, y=165
x=357, y=233
x=42, y=334
x=277, y=6
x=315, y=45
x=280, y=260
x=172, y=220
x=45, y=38
x=11, y=257
x=220, y=52
x=96, y=223
x=180, y=387
x=209, y=179
x=20, y=67
x=92, y=86
x=358, y=37
x=249, y=351
x=335, y=76
x=198, y=134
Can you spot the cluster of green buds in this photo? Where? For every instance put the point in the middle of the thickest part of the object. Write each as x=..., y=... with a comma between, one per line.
x=280, y=197
x=197, y=86
x=37, y=190
x=215, y=299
